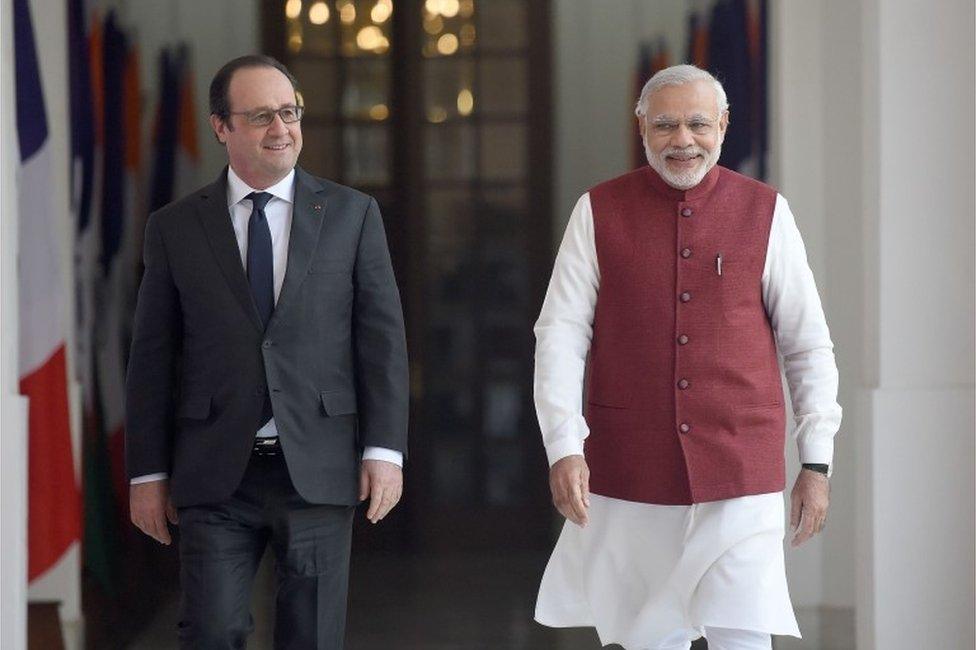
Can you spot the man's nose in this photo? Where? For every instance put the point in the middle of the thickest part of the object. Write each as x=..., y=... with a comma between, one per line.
x=277, y=125
x=682, y=137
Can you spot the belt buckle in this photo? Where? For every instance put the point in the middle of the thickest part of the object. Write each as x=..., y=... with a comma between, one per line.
x=266, y=446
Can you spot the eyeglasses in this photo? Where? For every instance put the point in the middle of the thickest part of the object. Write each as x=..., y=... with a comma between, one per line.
x=265, y=116
x=697, y=125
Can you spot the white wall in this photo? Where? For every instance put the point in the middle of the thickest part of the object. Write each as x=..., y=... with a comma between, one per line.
x=916, y=582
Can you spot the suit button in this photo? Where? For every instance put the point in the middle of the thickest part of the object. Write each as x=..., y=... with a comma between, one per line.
x=684, y=428
x=259, y=391
x=685, y=297
x=686, y=253
x=683, y=384
x=687, y=212
x=266, y=344
x=683, y=339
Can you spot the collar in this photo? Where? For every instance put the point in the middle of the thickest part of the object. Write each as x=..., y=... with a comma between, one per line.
x=237, y=190
x=699, y=191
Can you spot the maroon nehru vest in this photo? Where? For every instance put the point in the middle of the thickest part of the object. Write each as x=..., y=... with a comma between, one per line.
x=685, y=403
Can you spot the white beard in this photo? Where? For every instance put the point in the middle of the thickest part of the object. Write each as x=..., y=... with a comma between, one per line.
x=687, y=179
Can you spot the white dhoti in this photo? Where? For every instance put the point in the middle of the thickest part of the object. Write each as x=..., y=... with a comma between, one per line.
x=642, y=573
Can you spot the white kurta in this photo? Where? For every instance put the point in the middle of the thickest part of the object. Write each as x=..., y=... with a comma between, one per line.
x=643, y=574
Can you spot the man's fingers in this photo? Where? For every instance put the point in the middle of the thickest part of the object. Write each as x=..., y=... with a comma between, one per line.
x=171, y=514
x=576, y=503
x=807, y=527
x=585, y=482
x=796, y=510
x=363, y=483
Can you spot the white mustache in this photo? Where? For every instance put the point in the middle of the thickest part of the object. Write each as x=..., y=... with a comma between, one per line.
x=684, y=153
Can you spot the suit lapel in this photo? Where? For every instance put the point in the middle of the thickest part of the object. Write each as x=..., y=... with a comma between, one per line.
x=215, y=218
x=308, y=214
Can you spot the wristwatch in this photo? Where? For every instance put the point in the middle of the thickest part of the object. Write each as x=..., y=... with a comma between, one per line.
x=822, y=468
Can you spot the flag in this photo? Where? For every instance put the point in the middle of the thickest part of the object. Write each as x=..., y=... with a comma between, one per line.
x=165, y=133
x=730, y=62
x=187, y=176
x=105, y=490
x=54, y=506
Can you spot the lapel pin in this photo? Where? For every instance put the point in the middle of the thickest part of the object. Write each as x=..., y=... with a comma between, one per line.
x=316, y=206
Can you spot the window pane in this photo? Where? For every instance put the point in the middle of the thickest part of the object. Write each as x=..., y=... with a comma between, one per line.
x=503, y=86
x=366, y=155
x=365, y=27
x=503, y=24
x=318, y=81
x=503, y=151
x=449, y=152
x=319, y=148
x=448, y=28
x=366, y=94
x=448, y=87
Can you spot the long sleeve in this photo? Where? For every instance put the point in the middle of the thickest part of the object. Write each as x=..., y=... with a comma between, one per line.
x=152, y=363
x=380, y=342
x=563, y=333
x=797, y=317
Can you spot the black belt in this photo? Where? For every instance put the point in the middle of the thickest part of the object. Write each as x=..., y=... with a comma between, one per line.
x=266, y=446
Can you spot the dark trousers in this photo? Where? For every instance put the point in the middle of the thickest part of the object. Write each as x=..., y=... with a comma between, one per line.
x=221, y=546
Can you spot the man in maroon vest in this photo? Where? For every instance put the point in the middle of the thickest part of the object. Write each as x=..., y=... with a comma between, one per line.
x=674, y=289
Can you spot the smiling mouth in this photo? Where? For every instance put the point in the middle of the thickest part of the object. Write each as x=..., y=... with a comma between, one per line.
x=277, y=147
x=684, y=158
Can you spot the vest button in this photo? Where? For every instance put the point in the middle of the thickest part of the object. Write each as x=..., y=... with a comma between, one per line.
x=687, y=212
x=266, y=344
x=686, y=253
x=685, y=297
x=683, y=339
x=684, y=428
x=683, y=384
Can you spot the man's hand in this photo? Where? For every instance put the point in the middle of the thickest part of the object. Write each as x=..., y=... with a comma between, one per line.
x=150, y=507
x=569, y=481
x=808, y=505
x=382, y=482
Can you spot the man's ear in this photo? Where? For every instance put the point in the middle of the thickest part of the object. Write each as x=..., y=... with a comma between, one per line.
x=641, y=124
x=723, y=122
x=219, y=127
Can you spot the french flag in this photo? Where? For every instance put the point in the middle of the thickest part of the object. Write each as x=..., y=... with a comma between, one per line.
x=54, y=504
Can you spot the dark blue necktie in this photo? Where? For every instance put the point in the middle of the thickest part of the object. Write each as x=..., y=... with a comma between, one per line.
x=260, y=270
x=260, y=259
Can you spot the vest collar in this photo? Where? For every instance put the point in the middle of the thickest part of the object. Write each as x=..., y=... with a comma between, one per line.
x=699, y=191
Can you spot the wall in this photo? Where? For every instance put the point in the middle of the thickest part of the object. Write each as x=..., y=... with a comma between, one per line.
x=916, y=582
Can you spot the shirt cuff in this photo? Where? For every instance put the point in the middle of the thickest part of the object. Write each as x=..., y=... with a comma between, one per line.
x=382, y=453
x=149, y=478
x=556, y=451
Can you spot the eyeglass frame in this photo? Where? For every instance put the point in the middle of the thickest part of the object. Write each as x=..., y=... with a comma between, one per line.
x=249, y=115
x=666, y=121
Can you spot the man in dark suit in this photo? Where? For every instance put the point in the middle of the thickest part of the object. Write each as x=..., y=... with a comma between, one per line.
x=267, y=387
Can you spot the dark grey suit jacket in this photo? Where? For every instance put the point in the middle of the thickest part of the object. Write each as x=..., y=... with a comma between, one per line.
x=333, y=356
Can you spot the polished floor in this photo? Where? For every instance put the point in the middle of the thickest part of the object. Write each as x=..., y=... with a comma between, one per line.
x=456, y=602
x=459, y=602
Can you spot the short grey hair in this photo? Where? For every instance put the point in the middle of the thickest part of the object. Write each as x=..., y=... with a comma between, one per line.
x=678, y=75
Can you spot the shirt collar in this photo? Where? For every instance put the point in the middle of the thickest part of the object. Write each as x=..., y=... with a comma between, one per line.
x=237, y=190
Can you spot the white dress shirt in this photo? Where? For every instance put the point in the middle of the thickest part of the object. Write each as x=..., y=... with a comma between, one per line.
x=565, y=328
x=278, y=212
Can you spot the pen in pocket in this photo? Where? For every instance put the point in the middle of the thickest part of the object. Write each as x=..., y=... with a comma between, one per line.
x=718, y=263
